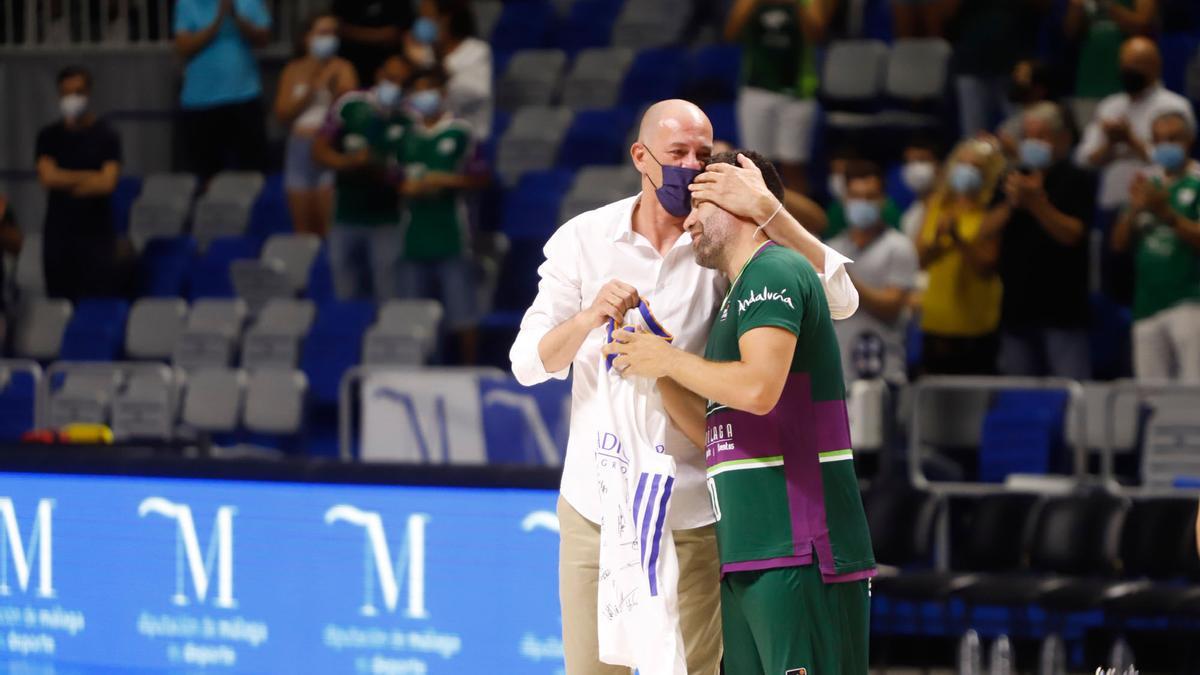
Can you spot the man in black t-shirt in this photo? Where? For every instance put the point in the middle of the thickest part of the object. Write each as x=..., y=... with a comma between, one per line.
x=371, y=30
x=79, y=163
x=1043, y=254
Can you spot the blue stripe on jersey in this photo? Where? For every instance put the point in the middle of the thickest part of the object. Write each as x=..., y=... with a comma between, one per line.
x=658, y=532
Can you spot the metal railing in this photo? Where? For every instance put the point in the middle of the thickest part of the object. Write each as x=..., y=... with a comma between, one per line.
x=32, y=25
x=1145, y=393
x=1075, y=413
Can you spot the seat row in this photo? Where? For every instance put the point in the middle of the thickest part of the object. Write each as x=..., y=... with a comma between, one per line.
x=214, y=332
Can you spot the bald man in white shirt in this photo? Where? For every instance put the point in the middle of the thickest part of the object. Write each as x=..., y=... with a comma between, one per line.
x=598, y=266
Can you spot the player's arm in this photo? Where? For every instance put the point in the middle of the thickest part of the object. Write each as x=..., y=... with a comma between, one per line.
x=753, y=384
x=686, y=410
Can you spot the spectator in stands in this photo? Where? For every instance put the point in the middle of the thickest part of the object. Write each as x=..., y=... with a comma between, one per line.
x=1043, y=226
x=918, y=18
x=1032, y=82
x=362, y=142
x=835, y=215
x=10, y=244
x=445, y=33
x=78, y=163
x=884, y=272
x=1163, y=224
x=1100, y=26
x=222, y=91
x=922, y=160
x=308, y=86
x=961, y=306
x=1117, y=141
x=371, y=31
x=990, y=37
x=438, y=154
x=777, y=108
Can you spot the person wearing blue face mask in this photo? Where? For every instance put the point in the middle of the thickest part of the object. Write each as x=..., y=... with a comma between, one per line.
x=361, y=141
x=1162, y=227
x=440, y=166
x=597, y=267
x=1044, y=218
x=308, y=86
x=957, y=246
x=445, y=33
x=884, y=272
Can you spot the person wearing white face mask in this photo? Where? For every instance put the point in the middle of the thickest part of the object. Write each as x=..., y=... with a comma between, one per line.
x=919, y=174
x=439, y=166
x=445, y=33
x=79, y=164
x=841, y=158
x=362, y=141
x=884, y=272
x=961, y=305
x=1044, y=220
x=1162, y=226
x=308, y=86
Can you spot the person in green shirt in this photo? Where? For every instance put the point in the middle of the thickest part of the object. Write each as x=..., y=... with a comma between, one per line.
x=1101, y=26
x=361, y=140
x=1162, y=226
x=437, y=155
x=776, y=107
x=768, y=402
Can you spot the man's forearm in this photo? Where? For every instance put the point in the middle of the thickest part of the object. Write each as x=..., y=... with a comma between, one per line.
x=686, y=410
x=558, y=348
x=885, y=304
x=1066, y=230
x=784, y=229
x=256, y=35
x=729, y=383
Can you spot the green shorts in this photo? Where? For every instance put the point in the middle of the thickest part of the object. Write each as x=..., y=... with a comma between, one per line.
x=787, y=621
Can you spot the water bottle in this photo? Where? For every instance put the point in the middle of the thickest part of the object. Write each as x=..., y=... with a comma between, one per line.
x=970, y=654
x=1000, y=661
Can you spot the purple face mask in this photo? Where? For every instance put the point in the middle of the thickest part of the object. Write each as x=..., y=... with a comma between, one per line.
x=673, y=194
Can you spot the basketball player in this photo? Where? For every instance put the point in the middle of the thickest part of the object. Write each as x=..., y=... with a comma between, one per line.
x=768, y=402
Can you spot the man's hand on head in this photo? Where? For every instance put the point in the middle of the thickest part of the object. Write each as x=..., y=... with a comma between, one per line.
x=737, y=190
x=641, y=354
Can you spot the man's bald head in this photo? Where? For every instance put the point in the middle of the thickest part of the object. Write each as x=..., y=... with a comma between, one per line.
x=672, y=133
x=1141, y=55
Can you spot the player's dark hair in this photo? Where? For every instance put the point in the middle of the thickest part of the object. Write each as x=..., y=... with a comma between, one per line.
x=863, y=168
x=75, y=71
x=770, y=175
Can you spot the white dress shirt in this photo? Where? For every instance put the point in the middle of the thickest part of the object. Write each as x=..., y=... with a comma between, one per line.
x=1117, y=175
x=585, y=254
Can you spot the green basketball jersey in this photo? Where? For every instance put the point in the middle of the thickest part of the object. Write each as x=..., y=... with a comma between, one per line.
x=1168, y=268
x=783, y=484
x=774, y=55
x=437, y=225
x=367, y=197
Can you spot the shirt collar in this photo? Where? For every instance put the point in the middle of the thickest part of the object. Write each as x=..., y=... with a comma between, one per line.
x=623, y=232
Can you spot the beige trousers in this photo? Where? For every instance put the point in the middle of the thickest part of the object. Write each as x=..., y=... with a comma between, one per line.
x=578, y=583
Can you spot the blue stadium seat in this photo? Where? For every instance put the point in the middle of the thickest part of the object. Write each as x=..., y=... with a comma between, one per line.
x=320, y=278
x=121, y=204
x=589, y=24
x=1178, y=50
x=517, y=434
x=165, y=262
x=656, y=74
x=1111, y=338
x=270, y=214
x=524, y=24
x=894, y=186
x=209, y=274
x=96, y=331
x=596, y=137
x=724, y=121
x=531, y=209
x=519, y=278
x=334, y=345
x=1022, y=433
x=713, y=73
x=18, y=396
